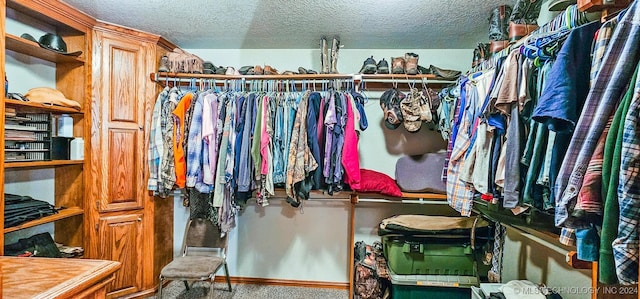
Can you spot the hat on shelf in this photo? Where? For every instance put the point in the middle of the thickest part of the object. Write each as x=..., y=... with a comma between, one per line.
x=558, y=5
x=46, y=95
x=52, y=42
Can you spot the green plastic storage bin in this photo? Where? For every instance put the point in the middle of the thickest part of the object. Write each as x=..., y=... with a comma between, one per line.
x=423, y=292
x=433, y=256
x=431, y=286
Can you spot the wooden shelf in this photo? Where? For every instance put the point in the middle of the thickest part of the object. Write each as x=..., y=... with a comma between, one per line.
x=62, y=214
x=407, y=197
x=424, y=195
x=374, y=82
x=41, y=164
x=25, y=46
x=39, y=107
x=159, y=77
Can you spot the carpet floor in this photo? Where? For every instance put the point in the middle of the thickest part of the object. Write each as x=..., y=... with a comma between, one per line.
x=176, y=289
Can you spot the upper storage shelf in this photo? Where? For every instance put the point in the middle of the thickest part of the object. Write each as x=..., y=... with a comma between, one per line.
x=39, y=107
x=28, y=47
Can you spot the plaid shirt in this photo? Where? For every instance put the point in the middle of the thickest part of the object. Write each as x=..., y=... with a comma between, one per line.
x=459, y=196
x=156, y=149
x=600, y=46
x=625, y=246
x=196, y=150
x=167, y=167
x=614, y=74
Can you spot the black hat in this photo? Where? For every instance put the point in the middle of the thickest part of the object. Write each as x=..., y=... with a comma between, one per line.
x=52, y=42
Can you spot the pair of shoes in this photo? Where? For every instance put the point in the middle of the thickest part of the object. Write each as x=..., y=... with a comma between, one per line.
x=405, y=65
x=369, y=66
x=329, y=56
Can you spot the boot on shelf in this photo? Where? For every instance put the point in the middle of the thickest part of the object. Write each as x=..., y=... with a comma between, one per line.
x=524, y=18
x=335, y=46
x=324, y=56
x=411, y=63
x=499, y=28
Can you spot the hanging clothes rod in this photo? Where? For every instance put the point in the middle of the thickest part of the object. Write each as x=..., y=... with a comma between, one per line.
x=183, y=77
x=376, y=82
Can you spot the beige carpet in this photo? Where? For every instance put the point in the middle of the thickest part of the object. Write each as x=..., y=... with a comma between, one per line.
x=176, y=289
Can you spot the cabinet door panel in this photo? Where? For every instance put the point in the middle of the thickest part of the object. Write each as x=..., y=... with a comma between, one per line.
x=122, y=114
x=120, y=239
x=122, y=75
x=122, y=162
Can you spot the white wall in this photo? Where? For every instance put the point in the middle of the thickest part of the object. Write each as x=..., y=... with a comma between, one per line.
x=379, y=149
x=280, y=242
x=541, y=259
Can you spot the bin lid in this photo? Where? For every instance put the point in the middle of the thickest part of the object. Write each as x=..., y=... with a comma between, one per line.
x=453, y=281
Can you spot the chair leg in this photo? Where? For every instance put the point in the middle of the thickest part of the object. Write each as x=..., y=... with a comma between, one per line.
x=186, y=284
x=211, y=287
x=160, y=287
x=226, y=273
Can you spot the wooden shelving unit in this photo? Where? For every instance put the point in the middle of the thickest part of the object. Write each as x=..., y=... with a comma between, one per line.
x=62, y=214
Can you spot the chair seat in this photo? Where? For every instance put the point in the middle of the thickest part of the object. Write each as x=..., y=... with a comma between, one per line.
x=195, y=267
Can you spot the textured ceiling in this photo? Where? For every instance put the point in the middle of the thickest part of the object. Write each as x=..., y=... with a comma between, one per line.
x=259, y=24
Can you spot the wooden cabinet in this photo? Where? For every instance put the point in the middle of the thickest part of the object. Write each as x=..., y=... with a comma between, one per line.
x=127, y=224
x=120, y=239
x=27, y=167
x=121, y=104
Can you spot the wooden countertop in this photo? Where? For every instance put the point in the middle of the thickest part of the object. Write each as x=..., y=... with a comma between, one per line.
x=35, y=277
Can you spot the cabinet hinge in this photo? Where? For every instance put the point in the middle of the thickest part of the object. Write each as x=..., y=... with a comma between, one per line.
x=97, y=205
x=97, y=226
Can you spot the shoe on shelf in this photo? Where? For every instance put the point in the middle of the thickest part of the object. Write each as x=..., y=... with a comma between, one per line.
x=445, y=74
x=423, y=70
x=245, y=70
x=302, y=70
x=411, y=63
x=208, y=67
x=382, y=67
x=257, y=70
x=230, y=71
x=221, y=70
x=289, y=73
x=164, y=64
x=311, y=72
x=368, y=66
x=268, y=70
x=397, y=65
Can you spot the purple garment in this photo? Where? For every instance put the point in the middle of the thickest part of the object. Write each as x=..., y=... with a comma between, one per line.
x=330, y=119
x=338, y=131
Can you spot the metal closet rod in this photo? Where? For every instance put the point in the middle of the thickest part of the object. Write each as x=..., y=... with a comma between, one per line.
x=385, y=78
